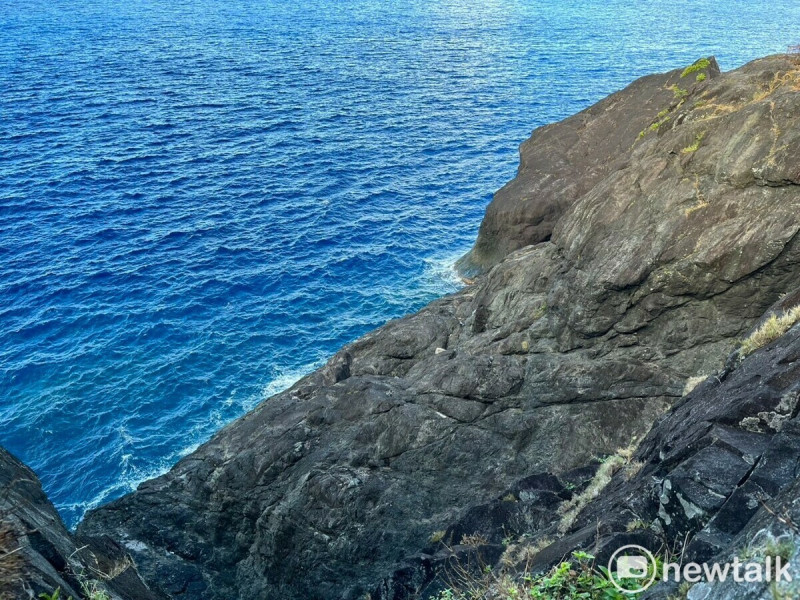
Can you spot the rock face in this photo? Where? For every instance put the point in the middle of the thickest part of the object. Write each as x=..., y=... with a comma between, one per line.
x=720, y=471
x=562, y=162
x=38, y=555
x=716, y=478
x=617, y=266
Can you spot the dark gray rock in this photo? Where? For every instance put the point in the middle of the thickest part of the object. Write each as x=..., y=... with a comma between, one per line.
x=719, y=477
x=563, y=161
x=38, y=555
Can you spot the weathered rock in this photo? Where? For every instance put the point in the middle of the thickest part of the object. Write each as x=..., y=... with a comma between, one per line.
x=659, y=256
x=38, y=555
x=716, y=478
x=563, y=161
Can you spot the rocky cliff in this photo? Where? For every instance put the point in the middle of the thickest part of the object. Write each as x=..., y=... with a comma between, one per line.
x=640, y=240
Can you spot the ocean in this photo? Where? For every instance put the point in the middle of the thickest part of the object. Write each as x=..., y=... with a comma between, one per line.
x=201, y=201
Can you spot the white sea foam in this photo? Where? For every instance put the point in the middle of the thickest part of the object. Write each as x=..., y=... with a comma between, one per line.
x=444, y=267
x=285, y=379
x=438, y=278
x=132, y=475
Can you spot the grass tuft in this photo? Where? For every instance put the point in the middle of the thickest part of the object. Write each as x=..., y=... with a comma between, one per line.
x=678, y=93
x=611, y=465
x=437, y=536
x=523, y=552
x=771, y=330
x=692, y=383
x=575, y=578
x=635, y=525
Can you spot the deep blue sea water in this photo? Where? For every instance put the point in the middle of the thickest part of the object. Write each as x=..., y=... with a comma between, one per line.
x=202, y=200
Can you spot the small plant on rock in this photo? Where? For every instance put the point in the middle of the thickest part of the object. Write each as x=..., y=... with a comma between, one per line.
x=56, y=595
x=608, y=467
x=93, y=591
x=437, y=536
x=678, y=93
x=771, y=330
x=700, y=65
x=573, y=579
x=696, y=146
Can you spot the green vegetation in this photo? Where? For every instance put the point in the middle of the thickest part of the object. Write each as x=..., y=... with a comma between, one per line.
x=635, y=525
x=678, y=93
x=700, y=65
x=56, y=595
x=437, y=536
x=90, y=588
x=771, y=330
x=782, y=546
x=662, y=118
x=696, y=146
x=683, y=592
x=541, y=311
x=574, y=579
x=93, y=591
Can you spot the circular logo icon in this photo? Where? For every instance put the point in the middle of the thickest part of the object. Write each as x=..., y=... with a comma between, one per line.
x=632, y=569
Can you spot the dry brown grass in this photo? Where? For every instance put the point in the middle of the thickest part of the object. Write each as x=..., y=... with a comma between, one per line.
x=622, y=459
x=474, y=540
x=780, y=80
x=522, y=552
x=701, y=199
x=714, y=110
x=692, y=383
x=771, y=330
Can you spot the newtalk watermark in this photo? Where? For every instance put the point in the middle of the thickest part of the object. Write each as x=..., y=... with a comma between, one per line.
x=633, y=569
